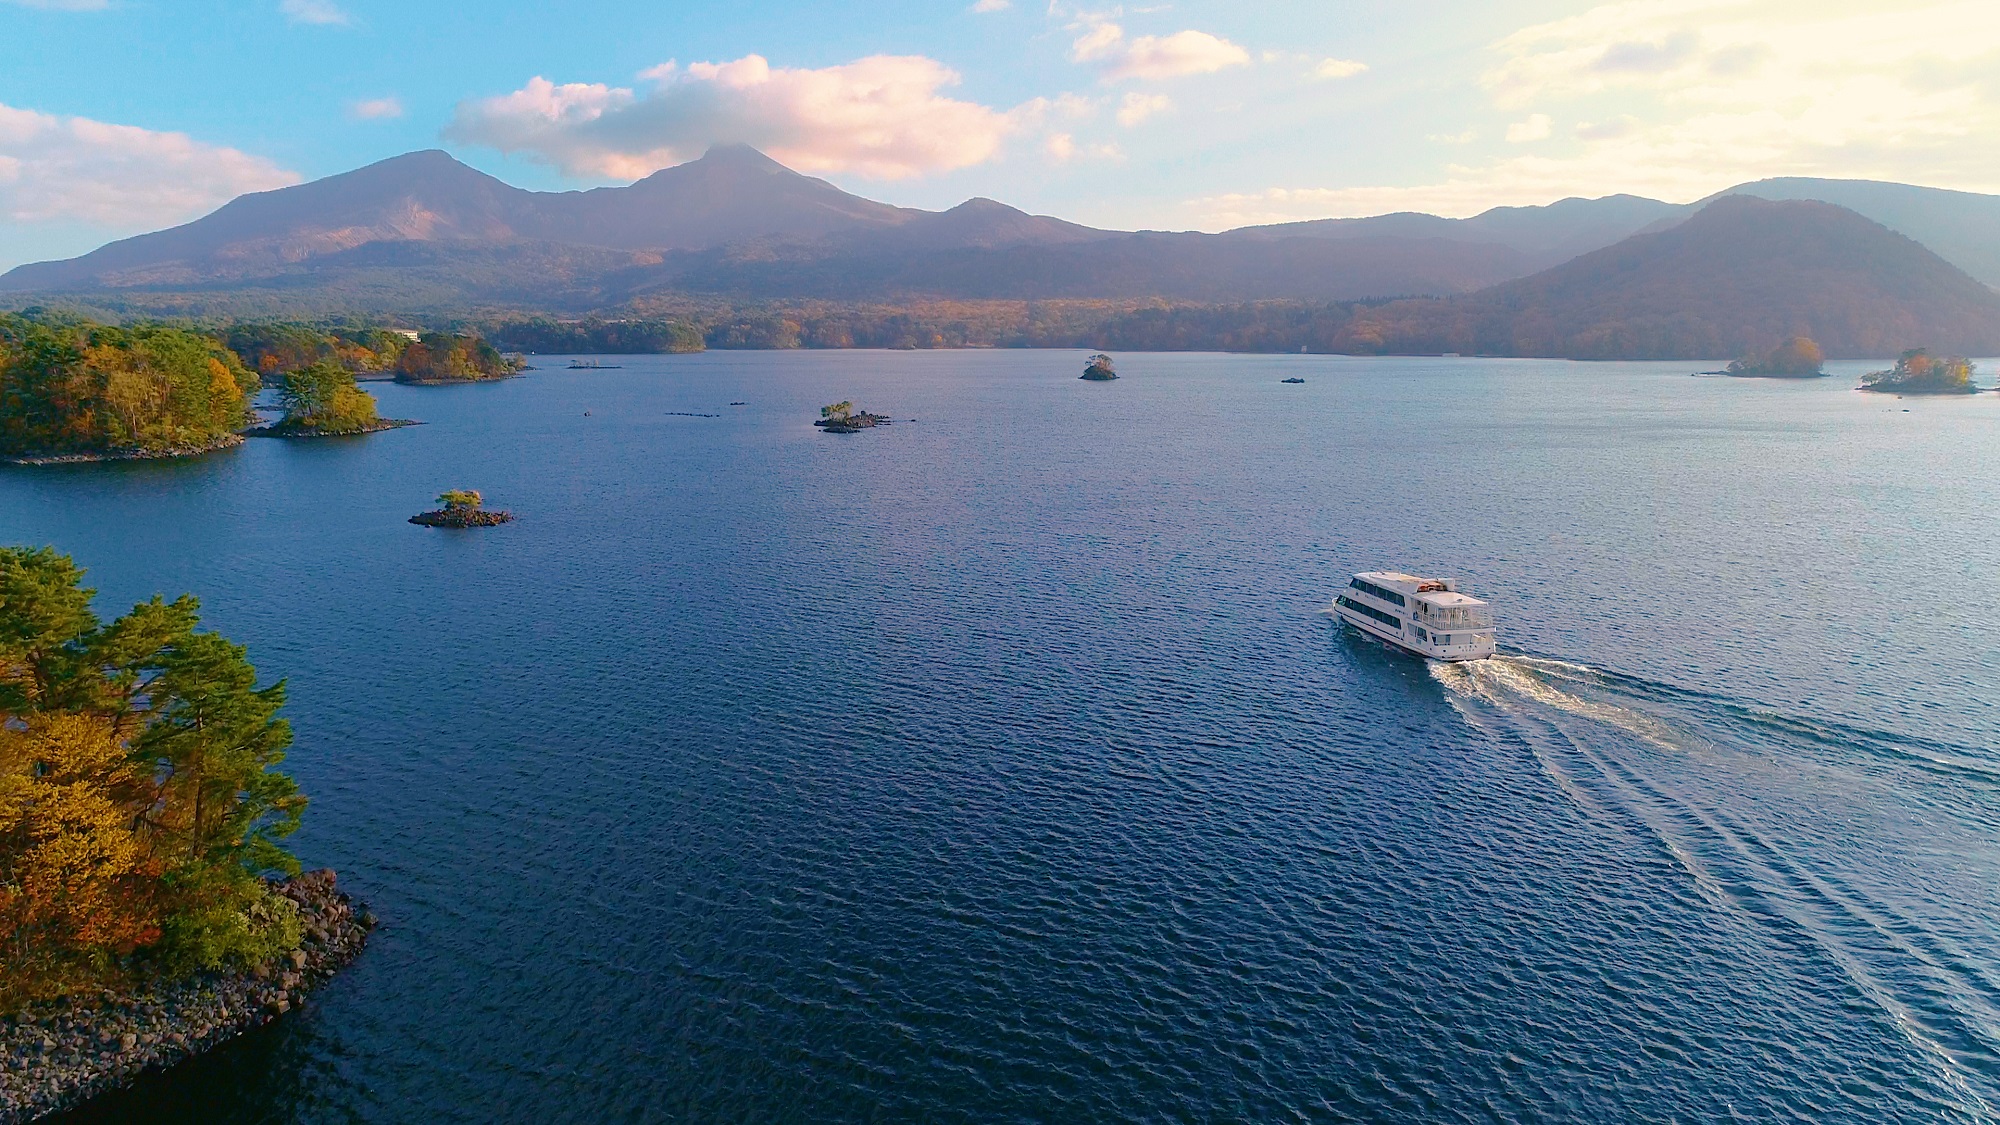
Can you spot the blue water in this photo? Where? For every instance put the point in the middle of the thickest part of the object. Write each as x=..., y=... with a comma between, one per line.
x=1000, y=765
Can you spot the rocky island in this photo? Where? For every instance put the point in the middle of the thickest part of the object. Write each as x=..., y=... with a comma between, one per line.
x=1099, y=369
x=1918, y=372
x=463, y=507
x=72, y=390
x=439, y=358
x=1797, y=358
x=148, y=908
x=323, y=400
x=842, y=418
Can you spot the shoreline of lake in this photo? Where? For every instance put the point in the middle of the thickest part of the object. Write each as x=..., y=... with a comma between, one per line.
x=60, y=1054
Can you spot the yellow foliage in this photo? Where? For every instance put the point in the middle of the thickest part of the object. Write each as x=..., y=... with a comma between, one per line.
x=75, y=872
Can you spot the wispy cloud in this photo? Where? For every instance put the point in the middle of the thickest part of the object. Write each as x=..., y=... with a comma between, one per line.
x=323, y=13
x=55, y=169
x=1710, y=93
x=1339, y=68
x=376, y=109
x=991, y=6
x=885, y=116
x=1154, y=56
x=1138, y=107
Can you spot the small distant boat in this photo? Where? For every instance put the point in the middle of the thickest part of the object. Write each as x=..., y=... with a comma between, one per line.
x=1293, y=379
x=591, y=365
x=1426, y=616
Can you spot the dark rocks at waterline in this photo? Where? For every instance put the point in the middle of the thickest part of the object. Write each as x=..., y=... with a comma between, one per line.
x=57, y=1055
x=852, y=423
x=170, y=453
x=462, y=517
x=281, y=430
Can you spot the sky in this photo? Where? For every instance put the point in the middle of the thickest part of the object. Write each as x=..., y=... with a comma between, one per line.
x=123, y=116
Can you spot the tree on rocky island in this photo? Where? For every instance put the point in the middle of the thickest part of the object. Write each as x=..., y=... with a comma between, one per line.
x=1917, y=371
x=1100, y=367
x=441, y=357
x=139, y=797
x=839, y=411
x=324, y=398
x=1796, y=357
x=461, y=499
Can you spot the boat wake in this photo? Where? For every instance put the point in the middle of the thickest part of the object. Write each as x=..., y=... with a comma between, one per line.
x=1875, y=851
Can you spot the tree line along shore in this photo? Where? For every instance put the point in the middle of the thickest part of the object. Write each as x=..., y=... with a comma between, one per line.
x=75, y=389
x=72, y=388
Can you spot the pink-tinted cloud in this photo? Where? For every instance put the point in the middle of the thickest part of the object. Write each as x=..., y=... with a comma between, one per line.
x=885, y=116
x=55, y=169
x=1154, y=56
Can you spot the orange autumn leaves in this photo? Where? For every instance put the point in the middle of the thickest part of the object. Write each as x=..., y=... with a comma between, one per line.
x=75, y=873
x=140, y=806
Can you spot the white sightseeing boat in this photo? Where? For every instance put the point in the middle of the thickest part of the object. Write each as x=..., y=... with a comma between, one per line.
x=1427, y=616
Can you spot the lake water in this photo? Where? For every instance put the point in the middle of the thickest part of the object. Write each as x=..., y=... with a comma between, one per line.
x=1001, y=765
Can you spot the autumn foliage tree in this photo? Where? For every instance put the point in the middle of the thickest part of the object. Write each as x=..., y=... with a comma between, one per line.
x=139, y=803
x=78, y=387
x=323, y=398
x=1917, y=371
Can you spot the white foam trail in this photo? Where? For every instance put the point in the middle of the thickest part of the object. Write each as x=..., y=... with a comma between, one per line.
x=1517, y=691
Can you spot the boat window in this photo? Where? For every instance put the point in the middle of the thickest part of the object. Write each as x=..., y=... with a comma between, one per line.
x=1373, y=590
x=1389, y=619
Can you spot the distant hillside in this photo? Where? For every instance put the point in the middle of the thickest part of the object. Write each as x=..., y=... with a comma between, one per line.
x=423, y=233
x=1961, y=227
x=1742, y=275
x=1543, y=236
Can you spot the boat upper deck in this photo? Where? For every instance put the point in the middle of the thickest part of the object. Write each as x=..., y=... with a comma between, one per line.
x=1436, y=592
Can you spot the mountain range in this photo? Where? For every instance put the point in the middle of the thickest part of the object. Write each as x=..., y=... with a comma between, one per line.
x=423, y=233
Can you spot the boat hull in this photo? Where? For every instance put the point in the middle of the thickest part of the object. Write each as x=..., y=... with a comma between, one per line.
x=1449, y=653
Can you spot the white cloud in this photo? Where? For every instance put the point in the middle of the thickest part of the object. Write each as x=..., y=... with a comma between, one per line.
x=375, y=109
x=1536, y=127
x=1611, y=128
x=1339, y=68
x=318, y=12
x=1681, y=98
x=1465, y=138
x=1060, y=147
x=1138, y=107
x=1154, y=56
x=56, y=169
x=991, y=6
x=882, y=116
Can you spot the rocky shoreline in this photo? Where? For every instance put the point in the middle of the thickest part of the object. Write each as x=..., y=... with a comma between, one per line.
x=225, y=442
x=57, y=1055
x=462, y=517
x=852, y=423
x=278, y=430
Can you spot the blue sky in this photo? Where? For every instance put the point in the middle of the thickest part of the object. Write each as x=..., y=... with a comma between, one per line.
x=119, y=116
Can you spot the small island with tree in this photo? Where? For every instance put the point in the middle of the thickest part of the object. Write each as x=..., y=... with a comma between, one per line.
x=1796, y=358
x=1099, y=369
x=842, y=418
x=1918, y=372
x=463, y=507
x=74, y=390
x=438, y=358
x=323, y=400
x=148, y=909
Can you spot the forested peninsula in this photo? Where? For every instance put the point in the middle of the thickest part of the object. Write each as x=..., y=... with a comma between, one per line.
x=75, y=390
x=150, y=907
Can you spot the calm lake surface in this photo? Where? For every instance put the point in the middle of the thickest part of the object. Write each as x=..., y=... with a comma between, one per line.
x=1001, y=766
